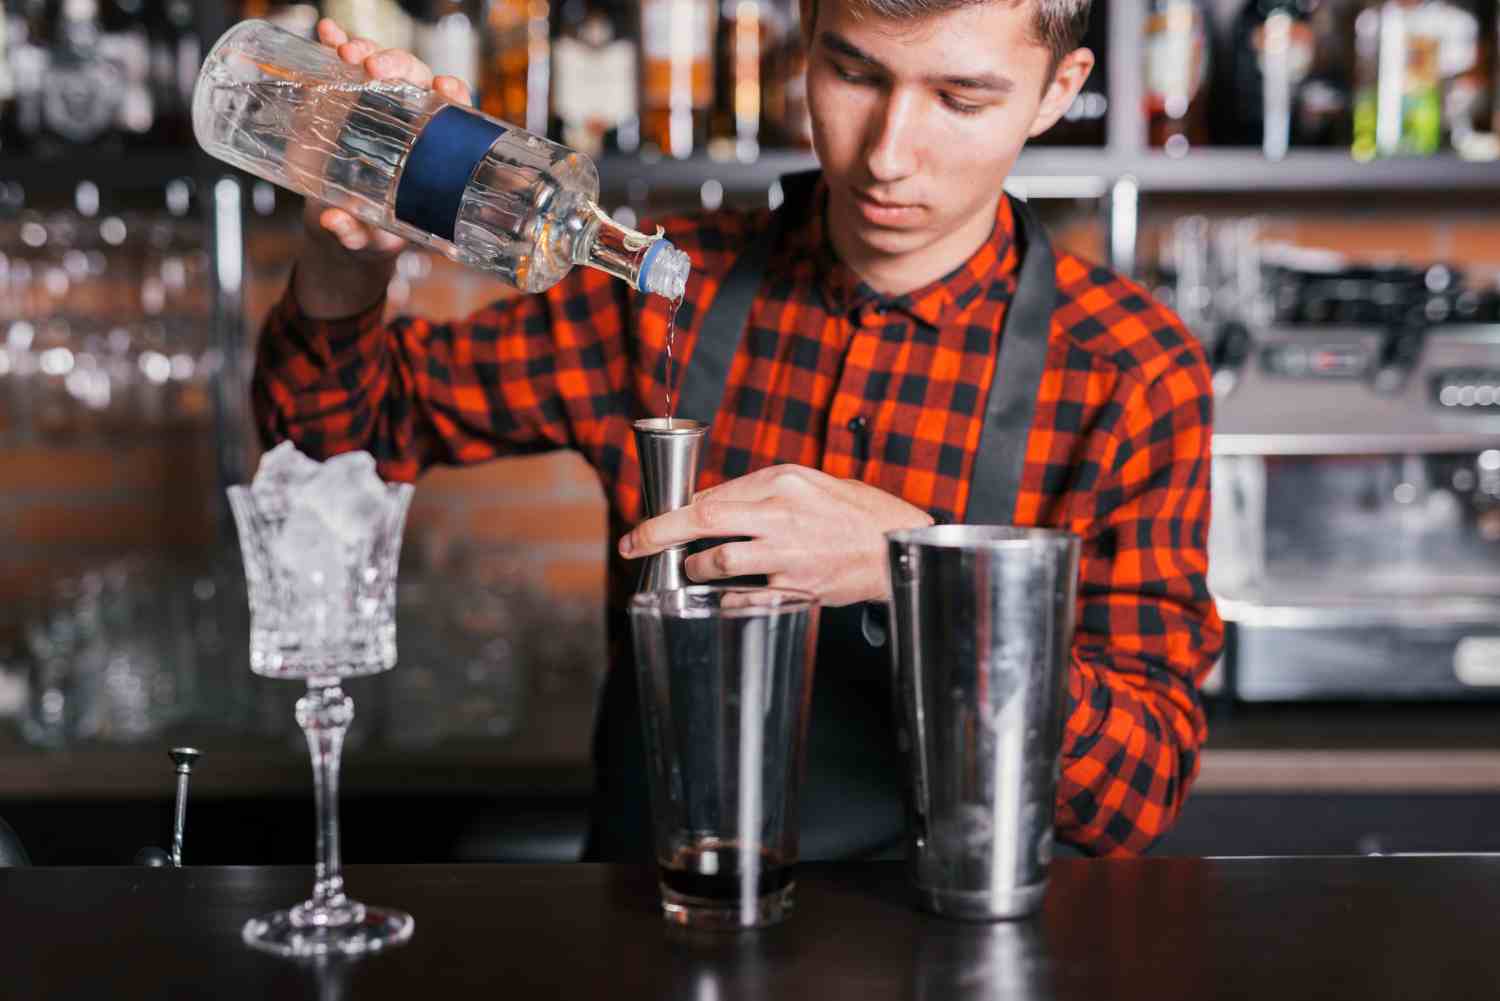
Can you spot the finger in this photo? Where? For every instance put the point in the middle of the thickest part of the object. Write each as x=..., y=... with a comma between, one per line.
x=357, y=50
x=386, y=243
x=732, y=559
x=397, y=64
x=337, y=221
x=329, y=32
x=453, y=89
x=348, y=230
x=764, y=484
x=772, y=598
x=702, y=521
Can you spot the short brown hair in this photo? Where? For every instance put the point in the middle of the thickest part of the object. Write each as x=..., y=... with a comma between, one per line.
x=1059, y=25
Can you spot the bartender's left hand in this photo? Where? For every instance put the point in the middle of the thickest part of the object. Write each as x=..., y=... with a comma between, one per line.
x=806, y=529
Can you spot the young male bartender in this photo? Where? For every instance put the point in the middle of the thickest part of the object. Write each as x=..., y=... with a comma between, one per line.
x=897, y=345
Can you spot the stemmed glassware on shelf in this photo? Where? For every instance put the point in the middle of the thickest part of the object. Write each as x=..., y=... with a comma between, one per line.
x=321, y=543
x=105, y=323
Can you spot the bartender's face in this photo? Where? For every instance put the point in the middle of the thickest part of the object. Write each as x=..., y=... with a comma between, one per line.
x=917, y=124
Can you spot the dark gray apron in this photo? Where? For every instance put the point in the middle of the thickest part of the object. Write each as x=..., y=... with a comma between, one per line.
x=852, y=798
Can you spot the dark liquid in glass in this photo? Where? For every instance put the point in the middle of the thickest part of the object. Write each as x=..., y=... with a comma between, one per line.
x=716, y=871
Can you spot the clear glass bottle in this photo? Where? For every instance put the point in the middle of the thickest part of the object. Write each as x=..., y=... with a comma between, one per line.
x=471, y=187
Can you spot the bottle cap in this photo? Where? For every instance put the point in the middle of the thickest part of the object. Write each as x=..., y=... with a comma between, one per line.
x=665, y=271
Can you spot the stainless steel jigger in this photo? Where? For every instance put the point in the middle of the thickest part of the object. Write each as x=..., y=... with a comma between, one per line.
x=668, y=450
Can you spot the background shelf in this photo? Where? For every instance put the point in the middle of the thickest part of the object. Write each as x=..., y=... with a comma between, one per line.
x=1090, y=172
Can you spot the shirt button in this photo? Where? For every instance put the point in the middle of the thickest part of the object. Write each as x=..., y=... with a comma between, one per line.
x=858, y=424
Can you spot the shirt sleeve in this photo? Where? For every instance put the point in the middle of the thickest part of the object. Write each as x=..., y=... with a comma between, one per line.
x=525, y=374
x=1147, y=632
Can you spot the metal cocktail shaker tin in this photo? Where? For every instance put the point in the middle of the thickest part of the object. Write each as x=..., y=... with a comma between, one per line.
x=983, y=627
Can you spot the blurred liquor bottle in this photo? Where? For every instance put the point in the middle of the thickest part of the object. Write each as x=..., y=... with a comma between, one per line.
x=445, y=36
x=126, y=43
x=516, y=62
x=1177, y=62
x=81, y=89
x=1398, y=99
x=7, y=87
x=1274, y=48
x=677, y=74
x=1495, y=71
x=786, y=117
x=382, y=21
x=1324, y=107
x=1466, y=65
x=594, y=81
x=301, y=19
x=176, y=53
x=1084, y=123
x=745, y=36
x=26, y=36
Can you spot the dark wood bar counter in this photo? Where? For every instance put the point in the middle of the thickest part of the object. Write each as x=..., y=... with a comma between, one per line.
x=1361, y=928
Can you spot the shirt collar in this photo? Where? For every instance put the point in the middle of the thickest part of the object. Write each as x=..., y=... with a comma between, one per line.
x=995, y=263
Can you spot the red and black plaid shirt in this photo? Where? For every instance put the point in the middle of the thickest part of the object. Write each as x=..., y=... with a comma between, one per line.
x=887, y=391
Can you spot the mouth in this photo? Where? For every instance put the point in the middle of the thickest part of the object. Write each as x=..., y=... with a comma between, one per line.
x=885, y=212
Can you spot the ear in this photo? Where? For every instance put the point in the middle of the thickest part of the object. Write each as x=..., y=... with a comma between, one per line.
x=1068, y=79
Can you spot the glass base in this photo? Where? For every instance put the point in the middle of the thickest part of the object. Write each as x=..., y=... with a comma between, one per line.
x=984, y=905
x=354, y=931
x=726, y=915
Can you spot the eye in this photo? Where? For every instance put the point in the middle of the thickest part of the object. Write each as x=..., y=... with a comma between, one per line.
x=849, y=76
x=961, y=107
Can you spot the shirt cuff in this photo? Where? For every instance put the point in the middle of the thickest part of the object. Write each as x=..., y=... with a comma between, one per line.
x=328, y=340
x=1086, y=704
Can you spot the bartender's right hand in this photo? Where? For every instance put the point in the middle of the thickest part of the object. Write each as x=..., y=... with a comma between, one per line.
x=345, y=265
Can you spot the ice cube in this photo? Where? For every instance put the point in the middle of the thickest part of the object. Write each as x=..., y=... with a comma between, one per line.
x=348, y=496
x=281, y=470
x=316, y=571
x=310, y=553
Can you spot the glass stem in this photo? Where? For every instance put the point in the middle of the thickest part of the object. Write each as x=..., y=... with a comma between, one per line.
x=324, y=714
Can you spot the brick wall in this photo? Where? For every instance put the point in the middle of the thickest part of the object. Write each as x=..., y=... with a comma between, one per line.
x=64, y=505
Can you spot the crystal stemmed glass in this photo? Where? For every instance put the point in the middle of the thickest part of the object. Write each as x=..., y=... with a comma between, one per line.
x=322, y=608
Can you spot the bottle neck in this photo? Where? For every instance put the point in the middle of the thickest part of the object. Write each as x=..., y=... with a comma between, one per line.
x=618, y=250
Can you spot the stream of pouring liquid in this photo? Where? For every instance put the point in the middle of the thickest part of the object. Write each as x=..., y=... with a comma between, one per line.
x=671, y=362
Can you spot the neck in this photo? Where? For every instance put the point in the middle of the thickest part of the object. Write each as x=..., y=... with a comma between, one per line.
x=897, y=273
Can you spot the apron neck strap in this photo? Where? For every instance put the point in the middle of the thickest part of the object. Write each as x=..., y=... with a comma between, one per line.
x=1011, y=405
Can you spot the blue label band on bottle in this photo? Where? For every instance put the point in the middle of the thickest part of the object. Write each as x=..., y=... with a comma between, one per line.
x=651, y=252
x=439, y=167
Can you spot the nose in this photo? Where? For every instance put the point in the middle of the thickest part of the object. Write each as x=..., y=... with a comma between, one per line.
x=890, y=147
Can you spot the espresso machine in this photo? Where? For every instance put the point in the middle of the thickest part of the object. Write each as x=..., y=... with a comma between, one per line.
x=1355, y=541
